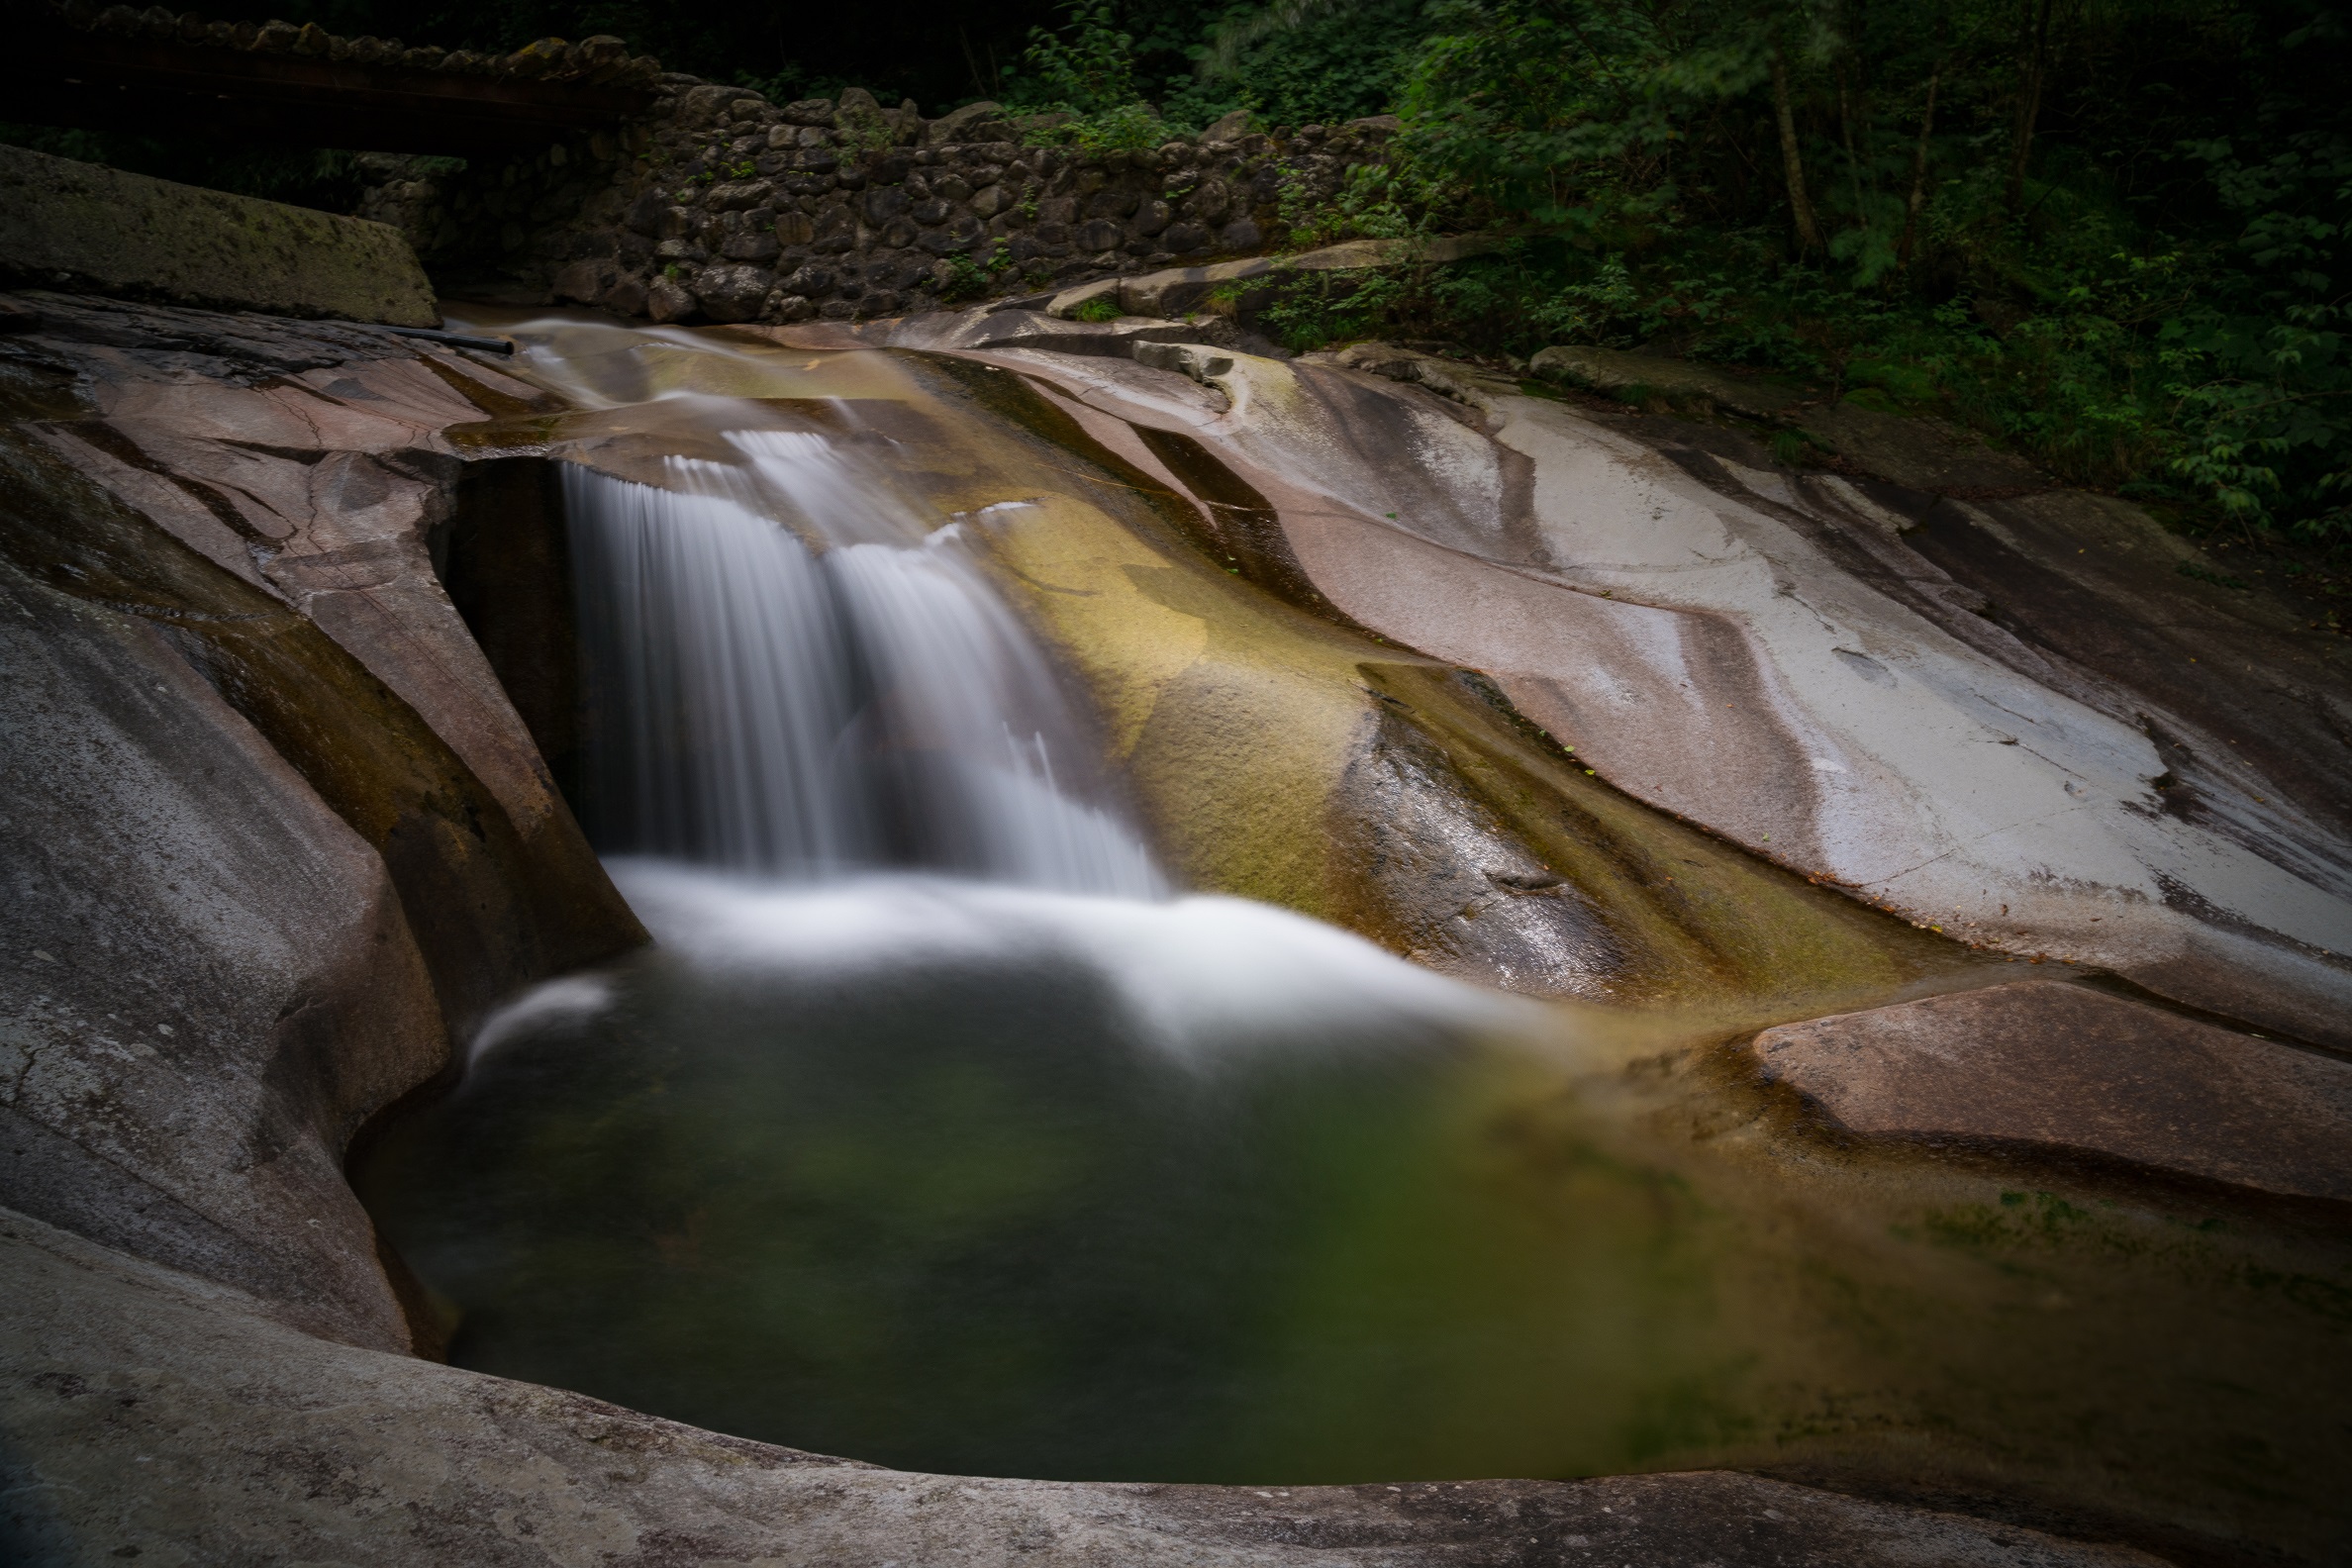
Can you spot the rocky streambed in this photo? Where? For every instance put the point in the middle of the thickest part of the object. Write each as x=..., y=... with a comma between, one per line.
x=1790, y=779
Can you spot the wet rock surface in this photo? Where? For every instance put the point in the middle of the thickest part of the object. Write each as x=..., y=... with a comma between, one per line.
x=1738, y=651
x=1287, y=752
x=253, y=1441
x=1467, y=893
x=275, y=799
x=2059, y=1065
x=275, y=832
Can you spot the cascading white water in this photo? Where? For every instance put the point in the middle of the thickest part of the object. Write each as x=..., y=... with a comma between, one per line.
x=765, y=706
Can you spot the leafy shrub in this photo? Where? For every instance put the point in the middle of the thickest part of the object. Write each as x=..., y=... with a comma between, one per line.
x=1084, y=78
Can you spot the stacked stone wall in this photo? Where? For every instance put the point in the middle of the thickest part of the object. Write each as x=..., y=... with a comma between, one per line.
x=721, y=206
x=718, y=205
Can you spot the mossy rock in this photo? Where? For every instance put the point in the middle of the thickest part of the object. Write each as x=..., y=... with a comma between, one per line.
x=92, y=230
x=1282, y=753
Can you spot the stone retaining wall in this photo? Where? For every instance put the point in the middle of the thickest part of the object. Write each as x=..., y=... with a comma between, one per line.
x=721, y=206
x=718, y=205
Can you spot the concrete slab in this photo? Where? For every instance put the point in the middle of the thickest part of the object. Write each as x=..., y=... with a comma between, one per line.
x=102, y=231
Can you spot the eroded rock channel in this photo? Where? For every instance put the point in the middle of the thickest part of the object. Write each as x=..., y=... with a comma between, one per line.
x=1329, y=927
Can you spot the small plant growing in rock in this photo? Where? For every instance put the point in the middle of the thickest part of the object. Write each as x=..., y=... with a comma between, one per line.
x=969, y=278
x=861, y=127
x=1102, y=308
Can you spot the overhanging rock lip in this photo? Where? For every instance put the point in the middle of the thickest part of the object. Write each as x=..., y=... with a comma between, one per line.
x=87, y=228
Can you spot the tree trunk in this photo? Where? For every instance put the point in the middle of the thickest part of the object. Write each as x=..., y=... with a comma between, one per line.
x=1919, y=190
x=2029, y=108
x=1801, y=213
x=1846, y=128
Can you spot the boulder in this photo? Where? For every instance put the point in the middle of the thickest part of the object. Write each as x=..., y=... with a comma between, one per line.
x=1195, y=360
x=2069, y=1067
x=974, y=122
x=1228, y=129
x=79, y=225
x=584, y=282
x=666, y=300
x=733, y=293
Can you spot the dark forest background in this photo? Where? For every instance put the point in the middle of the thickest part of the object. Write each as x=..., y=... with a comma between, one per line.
x=2111, y=233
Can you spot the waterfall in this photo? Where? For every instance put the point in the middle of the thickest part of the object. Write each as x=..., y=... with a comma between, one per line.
x=792, y=673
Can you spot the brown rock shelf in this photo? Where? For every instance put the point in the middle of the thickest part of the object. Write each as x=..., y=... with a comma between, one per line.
x=2064, y=1065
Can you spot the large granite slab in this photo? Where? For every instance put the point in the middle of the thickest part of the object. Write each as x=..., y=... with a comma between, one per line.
x=1770, y=655
x=2050, y=1062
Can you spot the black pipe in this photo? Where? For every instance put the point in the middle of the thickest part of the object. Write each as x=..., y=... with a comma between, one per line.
x=455, y=340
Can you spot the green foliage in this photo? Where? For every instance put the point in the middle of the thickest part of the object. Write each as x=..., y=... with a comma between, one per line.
x=1324, y=68
x=2119, y=246
x=1102, y=308
x=970, y=276
x=1085, y=68
x=1084, y=78
x=1374, y=203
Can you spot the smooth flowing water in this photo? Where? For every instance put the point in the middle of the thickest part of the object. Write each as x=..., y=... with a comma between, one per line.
x=936, y=1131
x=803, y=712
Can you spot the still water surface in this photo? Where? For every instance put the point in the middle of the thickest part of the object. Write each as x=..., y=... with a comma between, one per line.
x=994, y=1181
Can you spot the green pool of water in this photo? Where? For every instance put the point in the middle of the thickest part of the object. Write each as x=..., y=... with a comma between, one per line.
x=1004, y=1198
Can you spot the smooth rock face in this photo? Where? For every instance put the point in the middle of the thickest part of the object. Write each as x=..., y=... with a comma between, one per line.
x=1742, y=654
x=275, y=831
x=209, y=978
x=1463, y=891
x=1281, y=752
x=147, y=1412
x=2048, y=1062
x=293, y=835
x=68, y=224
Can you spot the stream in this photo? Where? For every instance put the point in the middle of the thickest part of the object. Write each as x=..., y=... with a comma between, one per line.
x=944, y=1127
